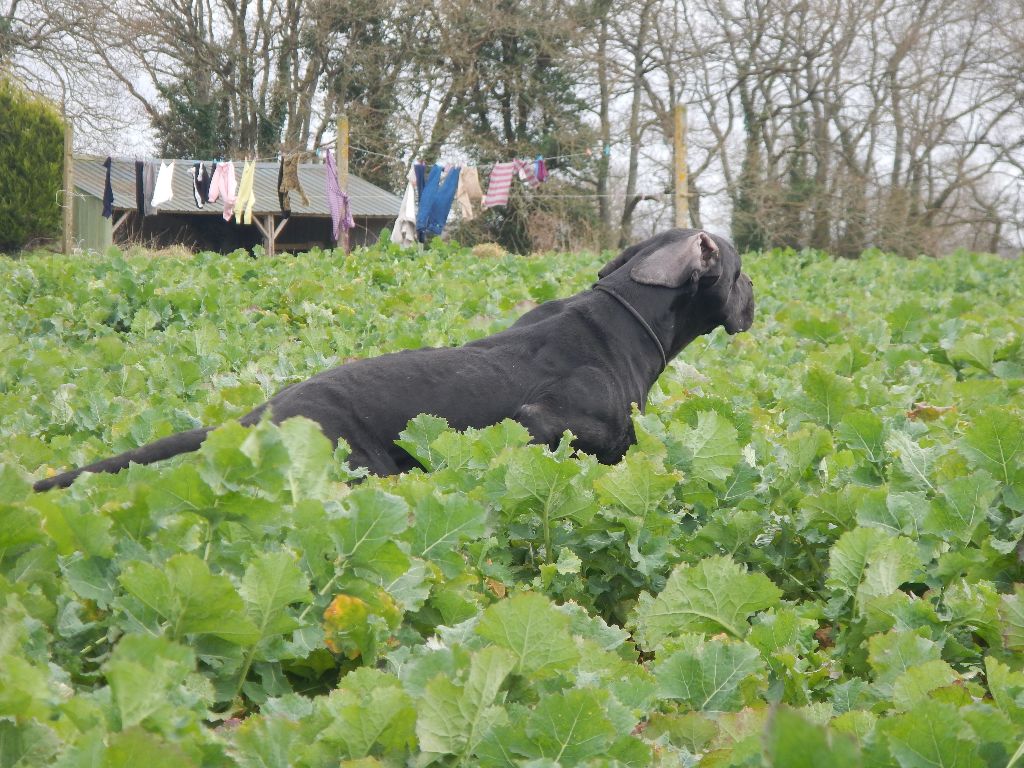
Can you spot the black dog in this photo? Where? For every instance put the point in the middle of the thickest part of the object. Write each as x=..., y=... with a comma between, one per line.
x=576, y=363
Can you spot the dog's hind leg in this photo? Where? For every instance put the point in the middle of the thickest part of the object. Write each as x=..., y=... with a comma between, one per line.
x=183, y=442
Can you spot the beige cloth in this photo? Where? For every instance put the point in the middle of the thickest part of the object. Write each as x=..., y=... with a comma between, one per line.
x=403, y=233
x=288, y=182
x=468, y=193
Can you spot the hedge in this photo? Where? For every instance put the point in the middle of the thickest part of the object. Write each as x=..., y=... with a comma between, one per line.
x=31, y=156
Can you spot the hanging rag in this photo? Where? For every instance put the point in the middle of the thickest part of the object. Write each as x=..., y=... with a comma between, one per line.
x=288, y=182
x=469, y=193
x=205, y=189
x=200, y=184
x=140, y=187
x=150, y=185
x=499, y=184
x=404, y=232
x=525, y=171
x=108, y=192
x=222, y=185
x=540, y=169
x=341, y=211
x=163, y=192
x=246, y=196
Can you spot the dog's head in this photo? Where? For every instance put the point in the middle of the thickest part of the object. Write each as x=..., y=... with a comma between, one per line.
x=698, y=273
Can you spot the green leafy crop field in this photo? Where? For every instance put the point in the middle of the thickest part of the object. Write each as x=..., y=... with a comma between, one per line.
x=812, y=558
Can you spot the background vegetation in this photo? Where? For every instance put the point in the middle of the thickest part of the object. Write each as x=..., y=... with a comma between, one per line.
x=820, y=123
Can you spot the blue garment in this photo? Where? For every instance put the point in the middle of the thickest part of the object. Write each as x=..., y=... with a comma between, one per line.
x=436, y=201
x=421, y=177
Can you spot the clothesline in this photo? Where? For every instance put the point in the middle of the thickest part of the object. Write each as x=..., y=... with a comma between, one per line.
x=317, y=153
x=479, y=164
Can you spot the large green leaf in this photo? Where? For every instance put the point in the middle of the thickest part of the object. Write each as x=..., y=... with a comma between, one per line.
x=866, y=563
x=442, y=521
x=568, y=728
x=368, y=714
x=537, y=634
x=962, y=506
x=272, y=583
x=995, y=442
x=369, y=518
x=638, y=483
x=916, y=463
x=545, y=484
x=310, y=458
x=453, y=718
x=1011, y=611
x=710, y=449
x=709, y=677
x=893, y=654
x=933, y=735
x=793, y=742
x=190, y=599
x=572, y=727
x=716, y=595
x=827, y=398
x=142, y=671
x=418, y=436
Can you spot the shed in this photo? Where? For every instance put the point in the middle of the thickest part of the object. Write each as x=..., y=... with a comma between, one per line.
x=180, y=221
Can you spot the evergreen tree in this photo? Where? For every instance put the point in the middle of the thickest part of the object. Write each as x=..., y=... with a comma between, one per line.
x=31, y=167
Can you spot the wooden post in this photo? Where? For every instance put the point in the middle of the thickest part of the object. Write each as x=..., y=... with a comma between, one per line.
x=681, y=189
x=342, y=149
x=69, y=189
x=266, y=228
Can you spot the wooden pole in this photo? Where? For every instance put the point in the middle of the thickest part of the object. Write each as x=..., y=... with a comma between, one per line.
x=69, y=189
x=343, y=169
x=682, y=208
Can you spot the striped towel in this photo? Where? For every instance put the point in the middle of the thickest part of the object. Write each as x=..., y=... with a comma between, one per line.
x=525, y=169
x=499, y=184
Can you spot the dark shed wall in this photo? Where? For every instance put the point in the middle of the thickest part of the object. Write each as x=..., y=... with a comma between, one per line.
x=205, y=232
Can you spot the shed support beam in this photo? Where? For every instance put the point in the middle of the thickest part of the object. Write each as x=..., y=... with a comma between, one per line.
x=120, y=220
x=266, y=228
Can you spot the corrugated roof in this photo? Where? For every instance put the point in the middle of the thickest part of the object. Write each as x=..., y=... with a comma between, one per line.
x=367, y=199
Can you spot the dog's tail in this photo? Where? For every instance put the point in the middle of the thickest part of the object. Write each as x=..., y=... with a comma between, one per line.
x=184, y=442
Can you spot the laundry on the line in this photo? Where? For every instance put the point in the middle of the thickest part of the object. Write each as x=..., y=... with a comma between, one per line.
x=429, y=196
x=288, y=182
x=246, y=194
x=200, y=184
x=163, y=191
x=341, y=212
x=108, y=192
x=222, y=185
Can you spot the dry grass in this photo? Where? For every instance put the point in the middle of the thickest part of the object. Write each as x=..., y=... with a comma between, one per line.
x=488, y=251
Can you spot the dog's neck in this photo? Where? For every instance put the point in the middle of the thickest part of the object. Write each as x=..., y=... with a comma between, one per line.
x=667, y=312
x=644, y=337
x=651, y=333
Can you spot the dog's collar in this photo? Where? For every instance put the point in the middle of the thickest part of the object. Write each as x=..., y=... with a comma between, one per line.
x=639, y=318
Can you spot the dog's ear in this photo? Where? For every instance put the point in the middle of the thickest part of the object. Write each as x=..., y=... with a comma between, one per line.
x=677, y=263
